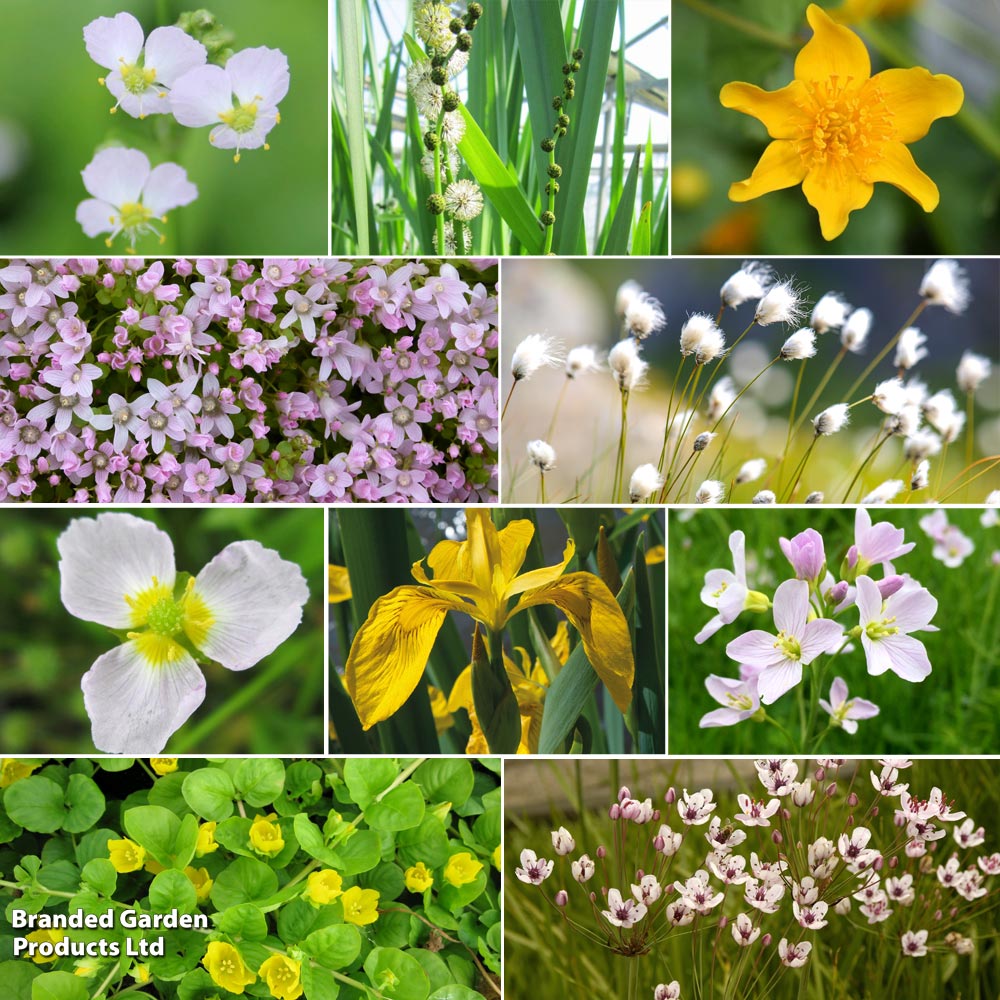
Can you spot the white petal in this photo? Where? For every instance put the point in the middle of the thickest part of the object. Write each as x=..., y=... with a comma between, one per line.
x=109, y=39
x=103, y=559
x=259, y=74
x=116, y=175
x=775, y=681
x=200, y=96
x=255, y=598
x=172, y=52
x=135, y=707
x=168, y=188
x=95, y=216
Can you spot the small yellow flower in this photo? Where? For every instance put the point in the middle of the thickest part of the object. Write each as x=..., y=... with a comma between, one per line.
x=360, y=905
x=462, y=869
x=418, y=877
x=496, y=857
x=206, y=840
x=838, y=130
x=52, y=936
x=226, y=967
x=283, y=977
x=126, y=855
x=163, y=765
x=201, y=881
x=323, y=886
x=86, y=968
x=140, y=973
x=339, y=584
x=265, y=835
x=12, y=770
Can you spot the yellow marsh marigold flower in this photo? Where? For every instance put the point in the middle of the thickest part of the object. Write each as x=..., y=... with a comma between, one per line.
x=418, y=877
x=838, y=130
x=360, y=905
x=48, y=936
x=12, y=770
x=462, y=869
x=479, y=577
x=323, y=887
x=201, y=881
x=339, y=584
x=265, y=834
x=126, y=855
x=163, y=765
x=206, y=840
x=226, y=967
x=283, y=977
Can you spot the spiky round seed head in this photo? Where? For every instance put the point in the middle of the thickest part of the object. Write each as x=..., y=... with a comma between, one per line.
x=439, y=61
x=567, y=69
x=577, y=54
x=552, y=187
x=563, y=121
x=557, y=103
x=435, y=204
x=475, y=11
x=464, y=42
x=574, y=66
x=450, y=101
x=560, y=131
x=555, y=170
x=439, y=76
x=456, y=26
x=431, y=141
x=548, y=145
x=548, y=218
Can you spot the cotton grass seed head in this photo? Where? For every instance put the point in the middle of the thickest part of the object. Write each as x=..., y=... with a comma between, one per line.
x=581, y=360
x=889, y=396
x=721, y=397
x=748, y=284
x=817, y=496
x=627, y=366
x=645, y=481
x=781, y=304
x=644, y=316
x=694, y=332
x=765, y=497
x=921, y=476
x=751, y=470
x=703, y=440
x=973, y=370
x=542, y=455
x=534, y=352
x=946, y=284
x=829, y=313
x=626, y=294
x=800, y=345
x=711, y=491
x=921, y=444
x=832, y=419
x=884, y=492
x=854, y=333
x=910, y=349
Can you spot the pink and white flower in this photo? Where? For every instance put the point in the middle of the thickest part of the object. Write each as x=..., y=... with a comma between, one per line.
x=534, y=870
x=695, y=808
x=886, y=626
x=794, y=955
x=875, y=543
x=583, y=870
x=744, y=932
x=845, y=712
x=667, y=991
x=739, y=699
x=756, y=812
x=562, y=841
x=623, y=912
x=726, y=590
x=914, y=943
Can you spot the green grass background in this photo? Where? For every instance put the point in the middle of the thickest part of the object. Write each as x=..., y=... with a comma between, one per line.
x=954, y=710
x=276, y=706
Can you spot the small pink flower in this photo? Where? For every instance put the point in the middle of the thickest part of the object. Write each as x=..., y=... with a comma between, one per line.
x=885, y=628
x=844, y=712
x=739, y=700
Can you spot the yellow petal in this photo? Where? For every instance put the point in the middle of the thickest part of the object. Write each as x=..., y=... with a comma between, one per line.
x=779, y=110
x=835, y=193
x=540, y=577
x=390, y=651
x=915, y=98
x=595, y=614
x=779, y=167
x=461, y=692
x=833, y=50
x=340, y=584
x=898, y=168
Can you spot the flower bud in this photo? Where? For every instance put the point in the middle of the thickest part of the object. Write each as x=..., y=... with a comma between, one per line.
x=831, y=789
x=765, y=940
x=659, y=843
x=562, y=898
x=601, y=851
x=852, y=799
x=776, y=837
x=615, y=811
x=671, y=797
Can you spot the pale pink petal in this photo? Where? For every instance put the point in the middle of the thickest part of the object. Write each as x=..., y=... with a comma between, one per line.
x=720, y=687
x=912, y=608
x=172, y=52
x=775, y=681
x=869, y=600
x=737, y=545
x=838, y=692
x=876, y=654
x=715, y=580
x=95, y=216
x=818, y=637
x=109, y=39
x=791, y=607
x=135, y=707
x=826, y=706
x=259, y=75
x=720, y=717
x=199, y=97
x=168, y=187
x=907, y=657
x=756, y=647
x=862, y=709
x=116, y=175
x=732, y=602
x=708, y=629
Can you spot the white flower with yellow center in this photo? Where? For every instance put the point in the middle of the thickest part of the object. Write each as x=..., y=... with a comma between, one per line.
x=118, y=570
x=240, y=100
x=142, y=69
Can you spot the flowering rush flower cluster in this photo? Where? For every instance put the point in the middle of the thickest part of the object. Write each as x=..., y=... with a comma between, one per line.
x=169, y=72
x=236, y=381
x=748, y=894
x=809, y=609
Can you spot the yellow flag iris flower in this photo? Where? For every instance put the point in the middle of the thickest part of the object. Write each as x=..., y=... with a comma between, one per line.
x=838, y=130
x=479, y=577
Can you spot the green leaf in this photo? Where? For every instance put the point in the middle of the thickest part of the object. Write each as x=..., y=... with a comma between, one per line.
x=17, y=976
x=100, y=875
x=246, y=880
x=366, y=777
x=360, y=853
x=58, y=986
x=318, y=984
x=428, y=843
x=36, y=803
x=114, y=763
x=335, y=947
x=621, y=225
x=642, y=236
x=445, y=779
x=210, y=791
x=172, y=890
x=243, y=921
x=260, y=780
x=154, y=828
x=395, y=974
x=84, y=802
x=400, y=809
x=351, y=74
x=310, y=839
x=455, y=992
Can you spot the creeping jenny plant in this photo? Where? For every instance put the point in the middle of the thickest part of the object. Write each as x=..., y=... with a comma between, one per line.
x=332, y=911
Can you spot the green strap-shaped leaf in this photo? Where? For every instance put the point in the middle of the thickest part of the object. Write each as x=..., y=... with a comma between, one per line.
x=617, y=242
x=643, y=236
x=647, y=693
x=349, y=17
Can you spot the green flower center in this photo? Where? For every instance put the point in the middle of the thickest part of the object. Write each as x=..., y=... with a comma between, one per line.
x=166, y=617
x=880, y=629
x=741, y=702
x=241, y=118
x=789, y=645
x=133, y=215
x=137, y=79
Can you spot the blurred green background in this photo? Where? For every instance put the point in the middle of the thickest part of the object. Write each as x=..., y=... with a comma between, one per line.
x=954, y=710
x=271, y=201
x=274, y=707
x=713, y=146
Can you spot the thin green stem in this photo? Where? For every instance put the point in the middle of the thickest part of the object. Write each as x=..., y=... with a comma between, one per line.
x=800, y=471
x=513, y=384
x=670, y=406
x=818, y=391
x=861, y=467
x=99, y=992
x=970, y=422
x=541, y=480
x=749, y=28
x=439, y=218
x=994, y=461
x=739, y=395
x=555, y=412
x=874, y=363
x=620, y=459
x=550, y=230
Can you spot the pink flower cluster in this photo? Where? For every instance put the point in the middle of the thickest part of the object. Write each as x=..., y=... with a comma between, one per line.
x=214, y=380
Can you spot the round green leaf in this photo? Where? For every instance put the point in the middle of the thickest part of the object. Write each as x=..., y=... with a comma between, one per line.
x=84, y=803
x=259, y=781
x=115, y=763
x=359, y=853
x=172, y=890
x=334, y=947
x=244, y=921
x=401, y=809
x=209, y=791
x=446, y=779
x=246, y=880
x=154, y=828
x=427, y=842
x=36, y=803
x=16, y=976
x=366, y=777
x=100, y=875
x=455, y=992
x=395, y=974
x=58, y=986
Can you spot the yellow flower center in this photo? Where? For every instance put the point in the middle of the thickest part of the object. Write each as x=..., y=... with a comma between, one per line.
x=789, y=645
x=137, y=79
x=133, y=215
x=241, y=118
x=741, y=702
x=164, y=617
x=880, y=629
x=848, y=123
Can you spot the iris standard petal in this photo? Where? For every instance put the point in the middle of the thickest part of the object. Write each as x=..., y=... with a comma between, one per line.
x=833, y=50
x=246, y=602
x=593, y=611
x=898, y=168
x=136, y=705
x=105, y=559
x=390, y=651
x=917, y=98
x=780, y=166
x=540, y=577
x=779, y=110
x=835, y=193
